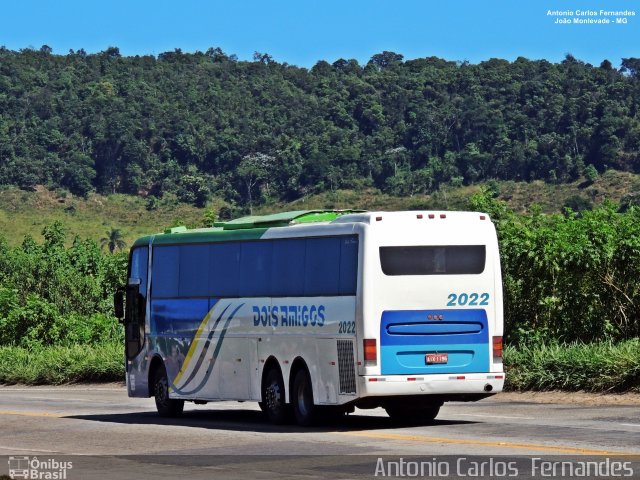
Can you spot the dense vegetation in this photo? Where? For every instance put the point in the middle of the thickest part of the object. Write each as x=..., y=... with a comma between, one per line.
x=203, y=124
x=571, y=277
x=51, y=294
x=56, y=364
x=593, y=367
x=572, y=302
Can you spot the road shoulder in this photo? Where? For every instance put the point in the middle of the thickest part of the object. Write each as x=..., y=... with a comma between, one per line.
x=574, y=398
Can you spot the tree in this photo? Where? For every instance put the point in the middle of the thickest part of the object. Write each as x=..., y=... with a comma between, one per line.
x=113, y=240
x=631, y=65
x=253, y=170
x=263, y=58
x=193, y=190
x=386, y=59
x=216, y=55
x=79, y=174
x=591, y=173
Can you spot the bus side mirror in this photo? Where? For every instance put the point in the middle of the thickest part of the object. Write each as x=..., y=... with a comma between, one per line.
x=118, y=304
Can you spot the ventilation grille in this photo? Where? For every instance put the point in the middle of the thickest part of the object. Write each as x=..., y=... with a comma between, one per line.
x=346, y=366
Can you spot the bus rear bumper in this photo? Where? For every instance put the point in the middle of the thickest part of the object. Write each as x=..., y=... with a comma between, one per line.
x=444, y=384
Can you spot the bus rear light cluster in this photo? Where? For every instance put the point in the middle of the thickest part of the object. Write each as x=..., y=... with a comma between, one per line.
x=458, y=377
x=370, y=352
x=497, y=349
x=495, y=377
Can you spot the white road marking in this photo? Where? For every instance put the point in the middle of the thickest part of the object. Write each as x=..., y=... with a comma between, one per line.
x=493, y=416
x=631, y=424
x=20, y=449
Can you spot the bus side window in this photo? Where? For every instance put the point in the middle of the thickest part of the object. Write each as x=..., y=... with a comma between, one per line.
x=348, y=265
x=322, y=267
x=165, y=272
x=139, y=266
x=287, y=269
x=194, y=272
x=224, y=265
x=255, y=262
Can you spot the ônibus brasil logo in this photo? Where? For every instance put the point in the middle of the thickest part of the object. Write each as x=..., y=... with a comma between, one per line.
x=32, y=468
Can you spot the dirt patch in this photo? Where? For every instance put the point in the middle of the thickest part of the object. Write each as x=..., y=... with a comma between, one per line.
x=576, y=398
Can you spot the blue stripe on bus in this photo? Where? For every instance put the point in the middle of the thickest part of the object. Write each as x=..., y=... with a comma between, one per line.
x=180, y=316
x=413, y=327
x=400, y=360
x=406, y=336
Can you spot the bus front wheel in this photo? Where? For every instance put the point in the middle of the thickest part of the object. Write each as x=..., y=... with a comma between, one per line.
x=273, y=399
x=167, y=407
x=302, y=399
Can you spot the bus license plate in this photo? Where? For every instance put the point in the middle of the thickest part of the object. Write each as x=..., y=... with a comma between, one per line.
x=432, y=358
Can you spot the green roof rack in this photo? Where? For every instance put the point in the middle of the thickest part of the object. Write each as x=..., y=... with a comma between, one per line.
x=283, y=219
x=179, y=229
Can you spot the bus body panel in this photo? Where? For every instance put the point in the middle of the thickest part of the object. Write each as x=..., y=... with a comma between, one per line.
x=223, y=358
x=404, y=303
x=408, y=336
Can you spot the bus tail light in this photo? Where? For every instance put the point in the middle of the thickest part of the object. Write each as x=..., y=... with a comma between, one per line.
x=497, y=349
x=370, y=351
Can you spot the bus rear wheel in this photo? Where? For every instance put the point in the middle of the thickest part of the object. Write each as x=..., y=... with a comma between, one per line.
x=273, y=398
x=423, y=415
x=302, y=399
x=167, y=407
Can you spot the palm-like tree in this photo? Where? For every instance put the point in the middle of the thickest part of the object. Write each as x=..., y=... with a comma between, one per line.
x=113, y=240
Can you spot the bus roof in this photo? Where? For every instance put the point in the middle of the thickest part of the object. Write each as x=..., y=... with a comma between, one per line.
x=244, y=228
x=284, y=219
x=254, y=227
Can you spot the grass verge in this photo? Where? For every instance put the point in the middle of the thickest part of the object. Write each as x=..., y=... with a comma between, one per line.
x=594, y=367
x=62, y=364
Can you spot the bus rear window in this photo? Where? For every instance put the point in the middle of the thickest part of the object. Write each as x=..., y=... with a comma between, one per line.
x=433, y=260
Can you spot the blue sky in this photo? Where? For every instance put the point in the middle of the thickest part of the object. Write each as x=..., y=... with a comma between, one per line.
x=304, y=31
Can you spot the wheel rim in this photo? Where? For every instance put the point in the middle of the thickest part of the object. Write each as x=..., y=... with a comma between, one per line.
x=162, y=394
x=303, y=399
x=273, y=395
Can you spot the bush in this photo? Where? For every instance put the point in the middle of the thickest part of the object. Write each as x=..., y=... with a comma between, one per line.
x=595, y=367
x=102, y=362
x=51, y=294
x=568, y=278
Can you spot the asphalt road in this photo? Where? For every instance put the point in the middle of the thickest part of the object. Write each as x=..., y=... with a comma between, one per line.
x=121, y=437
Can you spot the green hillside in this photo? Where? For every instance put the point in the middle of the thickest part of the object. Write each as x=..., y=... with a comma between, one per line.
x=23, y=212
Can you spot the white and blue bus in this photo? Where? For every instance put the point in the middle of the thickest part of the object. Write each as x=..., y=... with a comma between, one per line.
x=316, y=312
